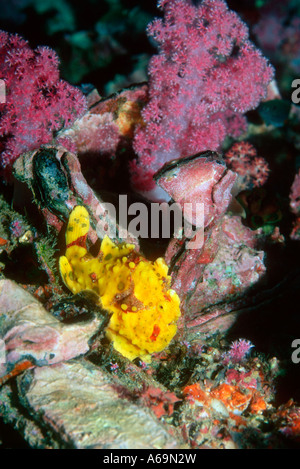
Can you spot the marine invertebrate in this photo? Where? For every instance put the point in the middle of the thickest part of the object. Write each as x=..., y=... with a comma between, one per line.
x=37, y=101
x=243, y=159
x=50, y=182
x=234, y=398
x=134, y=290
x=238, y=351
x=287, y=419
x=55, y=178
x=206, y=76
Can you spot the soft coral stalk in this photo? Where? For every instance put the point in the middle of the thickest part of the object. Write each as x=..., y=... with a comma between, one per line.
x=206, y=76
x=37, y=101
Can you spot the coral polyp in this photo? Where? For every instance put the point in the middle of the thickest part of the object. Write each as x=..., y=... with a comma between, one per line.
x=134, y=290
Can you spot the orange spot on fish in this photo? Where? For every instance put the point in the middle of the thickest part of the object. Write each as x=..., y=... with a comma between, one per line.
x=156, y=331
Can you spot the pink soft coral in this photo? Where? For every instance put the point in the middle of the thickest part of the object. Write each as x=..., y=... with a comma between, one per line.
x=239, y=349
x=37, y=101
x=206, y=75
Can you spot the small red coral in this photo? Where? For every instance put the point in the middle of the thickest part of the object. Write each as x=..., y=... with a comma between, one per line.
x=162, y=403
x=242, y=158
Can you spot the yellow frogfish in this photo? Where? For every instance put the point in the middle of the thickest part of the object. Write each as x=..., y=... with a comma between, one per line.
x=144, y=309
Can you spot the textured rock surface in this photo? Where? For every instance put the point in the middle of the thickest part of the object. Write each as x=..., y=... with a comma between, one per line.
x=79, y=407
x=33, y=335
x=108, y=122
x=60, y=404
x=200, y=179
x=227, y=263
x=221, y=273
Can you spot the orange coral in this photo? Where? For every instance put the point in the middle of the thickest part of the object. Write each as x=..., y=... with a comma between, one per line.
x=232, y=396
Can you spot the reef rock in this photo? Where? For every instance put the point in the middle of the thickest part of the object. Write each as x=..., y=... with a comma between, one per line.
x=227, y=262
x=33, y=337
x=80, y=408
x=54, y=176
